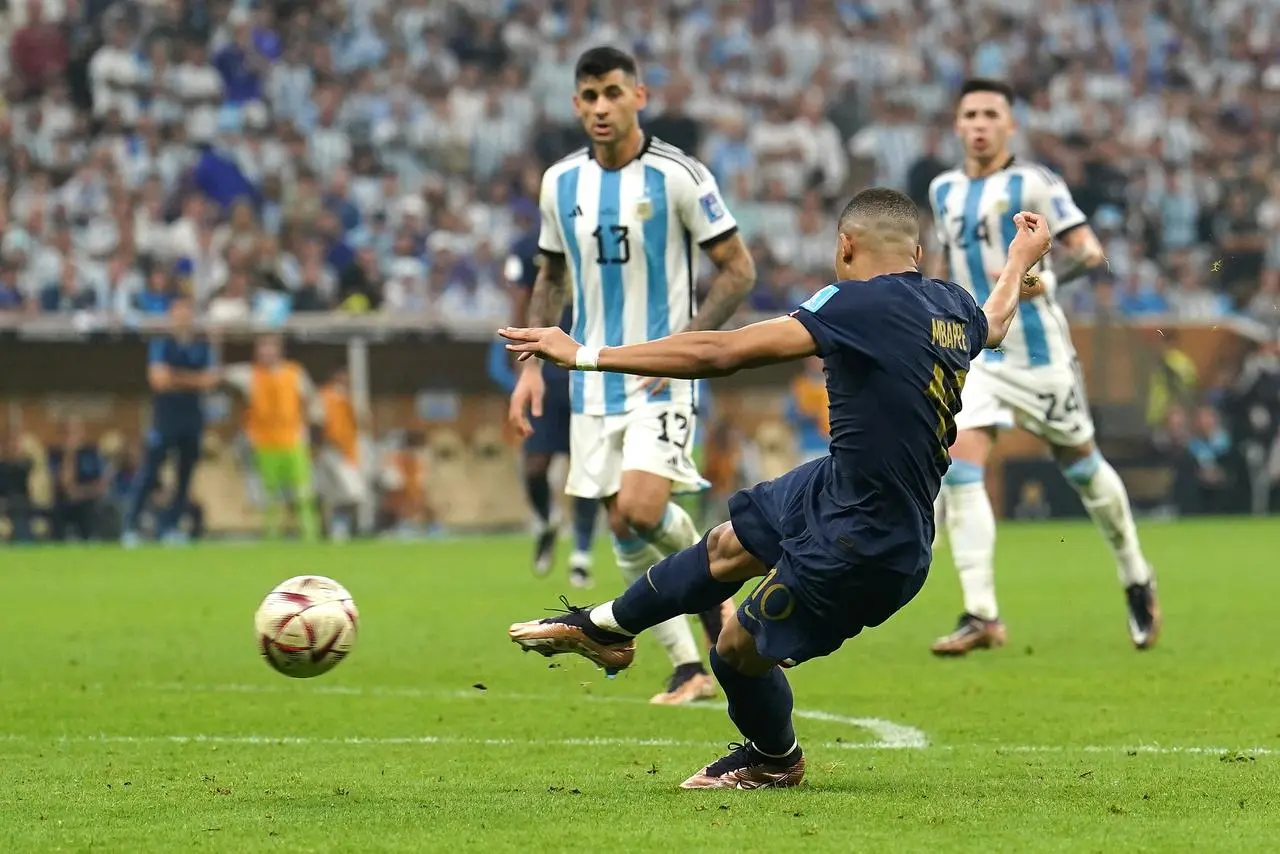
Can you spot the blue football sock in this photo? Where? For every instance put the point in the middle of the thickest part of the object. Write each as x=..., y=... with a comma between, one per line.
x=539, y=492
x=675, y=585
x=585, y=511
x=760, y=707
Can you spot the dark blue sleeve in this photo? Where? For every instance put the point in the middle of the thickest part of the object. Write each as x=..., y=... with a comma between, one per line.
x=157, y=352
x=206, y=357
x=978, y=330
x=842, y=318
x=521, y=268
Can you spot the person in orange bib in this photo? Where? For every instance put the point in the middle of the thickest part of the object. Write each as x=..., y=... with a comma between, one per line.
x=282, y=404
x=342, y=486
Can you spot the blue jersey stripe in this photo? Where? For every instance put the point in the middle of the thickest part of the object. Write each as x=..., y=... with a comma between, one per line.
x=1032, y=321
x=566, y=201
x=614, y=295
x=655, y=256
x=969, y=227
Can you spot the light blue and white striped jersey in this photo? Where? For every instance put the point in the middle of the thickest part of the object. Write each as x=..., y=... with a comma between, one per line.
x=974, y=222
x=631, y=238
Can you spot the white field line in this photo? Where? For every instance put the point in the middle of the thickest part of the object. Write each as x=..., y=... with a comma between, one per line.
x=429, y=740
x=890, y=736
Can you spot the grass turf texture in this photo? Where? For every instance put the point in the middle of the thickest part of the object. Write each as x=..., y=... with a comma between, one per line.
x=437, y=734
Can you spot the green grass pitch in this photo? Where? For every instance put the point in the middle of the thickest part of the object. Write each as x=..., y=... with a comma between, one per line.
x=136, y=715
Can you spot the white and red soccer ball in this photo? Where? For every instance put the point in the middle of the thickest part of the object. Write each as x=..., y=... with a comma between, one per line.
x=306, y=625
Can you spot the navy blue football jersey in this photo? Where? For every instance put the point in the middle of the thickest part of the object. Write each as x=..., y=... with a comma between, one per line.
x=896, y=351
x=522, y=269
x=179, y=412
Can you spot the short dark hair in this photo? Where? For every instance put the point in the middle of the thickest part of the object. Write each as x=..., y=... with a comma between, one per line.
x=884, y=206
x=599, y=61
x=986, y=84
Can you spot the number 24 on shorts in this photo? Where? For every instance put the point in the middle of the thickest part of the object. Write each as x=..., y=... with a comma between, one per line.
x=1059, y=410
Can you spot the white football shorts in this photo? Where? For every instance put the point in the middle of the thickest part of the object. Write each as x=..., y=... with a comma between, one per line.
x=1048, y=401
x=657, y=438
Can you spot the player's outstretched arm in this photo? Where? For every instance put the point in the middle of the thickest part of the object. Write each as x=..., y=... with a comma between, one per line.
x=1029, y=245
x=687, y=355
x=734, y=279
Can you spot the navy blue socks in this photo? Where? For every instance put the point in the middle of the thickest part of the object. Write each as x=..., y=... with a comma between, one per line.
x=585, y=511
x=679, y=584
x=539, y=492
x=760, y=707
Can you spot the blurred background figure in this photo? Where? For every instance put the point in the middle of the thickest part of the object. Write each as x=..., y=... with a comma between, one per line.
x=79, y=474
x=339, y=173
x=180, y=368
x=280, y=406
x=341, y=478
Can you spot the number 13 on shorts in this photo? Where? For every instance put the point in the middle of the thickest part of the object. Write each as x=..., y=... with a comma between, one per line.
x=656, y=439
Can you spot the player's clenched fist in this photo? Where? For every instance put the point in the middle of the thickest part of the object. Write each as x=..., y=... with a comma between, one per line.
x=1032, y=239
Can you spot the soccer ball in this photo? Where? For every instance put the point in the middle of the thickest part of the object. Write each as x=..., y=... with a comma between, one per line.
x=306, y=625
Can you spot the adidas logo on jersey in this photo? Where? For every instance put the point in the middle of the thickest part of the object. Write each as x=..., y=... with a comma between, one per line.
x=576, y=212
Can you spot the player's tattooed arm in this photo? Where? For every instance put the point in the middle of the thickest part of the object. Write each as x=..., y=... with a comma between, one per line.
x=549, y=291
x=735, y=276
x=1082, y=252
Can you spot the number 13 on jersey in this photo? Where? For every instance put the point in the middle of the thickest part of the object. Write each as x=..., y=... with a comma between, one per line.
x=944, y=393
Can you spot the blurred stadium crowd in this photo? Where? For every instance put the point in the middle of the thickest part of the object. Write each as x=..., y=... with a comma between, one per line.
x=363, y=156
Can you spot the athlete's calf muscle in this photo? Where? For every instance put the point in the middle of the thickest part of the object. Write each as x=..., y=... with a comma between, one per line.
x=973, y=446
x=738, y=648
x=730, y=561
x=1065, y=455
x=642, y=500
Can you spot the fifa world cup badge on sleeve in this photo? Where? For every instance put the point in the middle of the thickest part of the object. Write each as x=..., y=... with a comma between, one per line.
x=712, y=207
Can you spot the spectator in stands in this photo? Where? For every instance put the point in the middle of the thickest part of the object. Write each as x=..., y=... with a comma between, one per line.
x=1211, y=466
x=11, y=297
x=79, y=475
x=38, y=51
x=15, y=489
x=1256, y=402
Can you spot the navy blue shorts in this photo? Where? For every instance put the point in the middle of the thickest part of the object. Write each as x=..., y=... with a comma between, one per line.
x=812, y=600
x=551, y=430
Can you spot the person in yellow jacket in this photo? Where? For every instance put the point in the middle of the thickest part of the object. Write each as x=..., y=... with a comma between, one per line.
x=282, y=405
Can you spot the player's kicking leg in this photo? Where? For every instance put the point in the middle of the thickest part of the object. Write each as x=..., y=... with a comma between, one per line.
x=1107, y=502
x=689, y=582
x=970, y=524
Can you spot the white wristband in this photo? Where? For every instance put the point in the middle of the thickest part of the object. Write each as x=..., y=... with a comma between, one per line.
x=588, y=358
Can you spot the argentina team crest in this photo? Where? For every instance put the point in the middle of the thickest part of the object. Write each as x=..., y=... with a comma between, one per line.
x=644, y=209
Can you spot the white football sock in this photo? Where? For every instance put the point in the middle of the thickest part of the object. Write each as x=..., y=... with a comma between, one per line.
x=676, y=532
x=634, y=558
x=971, y=528
x=1107, y=502
x=602, y=616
